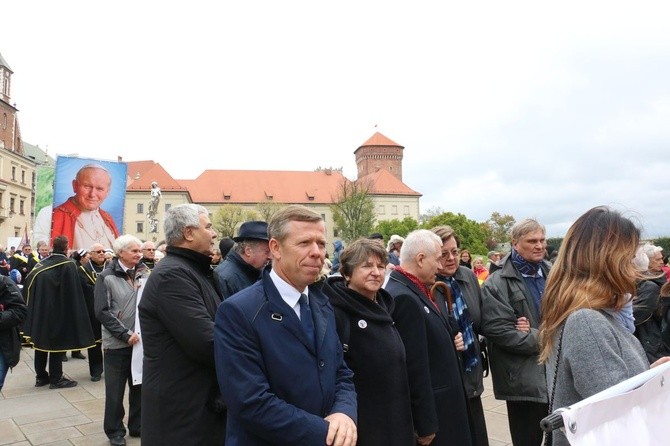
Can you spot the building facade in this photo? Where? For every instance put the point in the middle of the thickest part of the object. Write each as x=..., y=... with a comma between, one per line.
x=255, y=194
x=17, y=172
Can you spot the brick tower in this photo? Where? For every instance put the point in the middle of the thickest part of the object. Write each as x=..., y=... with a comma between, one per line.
x=379, y=152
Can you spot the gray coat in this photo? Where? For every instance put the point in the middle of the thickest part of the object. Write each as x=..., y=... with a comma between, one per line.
x=597, y=352
x=115, y=302
x=516, y=374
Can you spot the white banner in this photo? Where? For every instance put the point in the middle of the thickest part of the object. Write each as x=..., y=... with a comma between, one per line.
x=633, y=412
x=138, y=349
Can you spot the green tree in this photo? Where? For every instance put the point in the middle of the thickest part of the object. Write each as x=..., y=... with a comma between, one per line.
x=663, y=242
x=500, y=227
x=471, y=234
x=228, y=217
x=555, y=242
x=400, y=227
x=353, y=210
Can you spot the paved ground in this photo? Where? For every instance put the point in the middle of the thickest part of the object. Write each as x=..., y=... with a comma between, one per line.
x=37, y=416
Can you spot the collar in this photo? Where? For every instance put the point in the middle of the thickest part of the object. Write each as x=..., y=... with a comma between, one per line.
x=124, y=267
x=287, y=292
x=201, y=260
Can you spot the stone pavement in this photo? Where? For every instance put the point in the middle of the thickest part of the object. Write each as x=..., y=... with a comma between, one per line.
x=40, y=416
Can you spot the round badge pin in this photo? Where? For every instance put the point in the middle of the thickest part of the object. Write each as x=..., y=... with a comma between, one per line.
x=362, y=323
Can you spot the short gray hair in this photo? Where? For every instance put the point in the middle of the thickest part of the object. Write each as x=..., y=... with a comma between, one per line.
x=650, y=250
x=526, y=226
x=123, y=242
x=180, y=217
x=421, y=240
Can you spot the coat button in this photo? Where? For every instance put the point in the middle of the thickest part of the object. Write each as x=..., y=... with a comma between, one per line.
x=321, y=363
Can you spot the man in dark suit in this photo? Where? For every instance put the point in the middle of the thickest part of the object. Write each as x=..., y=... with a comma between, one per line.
x=279, y=360
x=181, y=403
x=439, y=407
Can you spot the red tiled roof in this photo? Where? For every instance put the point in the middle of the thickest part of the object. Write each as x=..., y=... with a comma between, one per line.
x=384, y=182
x=256, y=186
x=379, y=140
x=142, y=173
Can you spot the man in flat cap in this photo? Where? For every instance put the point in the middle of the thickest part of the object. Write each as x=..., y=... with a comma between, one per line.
x=243, y=264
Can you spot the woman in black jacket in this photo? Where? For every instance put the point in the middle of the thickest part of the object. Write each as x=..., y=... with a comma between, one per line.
x=13, y=312
x=373, y=348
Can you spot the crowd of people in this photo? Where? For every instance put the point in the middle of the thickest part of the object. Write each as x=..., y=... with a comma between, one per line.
x=254, y=342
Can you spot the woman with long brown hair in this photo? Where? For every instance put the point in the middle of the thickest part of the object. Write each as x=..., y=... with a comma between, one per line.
x=584, y=343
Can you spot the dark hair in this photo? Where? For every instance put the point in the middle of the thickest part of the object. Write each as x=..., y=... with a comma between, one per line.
x=357, y=253
x=60, y=244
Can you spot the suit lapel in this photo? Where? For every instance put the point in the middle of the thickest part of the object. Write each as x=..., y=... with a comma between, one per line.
x=282, y=314
x=319, y=305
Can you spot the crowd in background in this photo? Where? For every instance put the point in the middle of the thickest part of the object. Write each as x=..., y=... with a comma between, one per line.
x=397, y=334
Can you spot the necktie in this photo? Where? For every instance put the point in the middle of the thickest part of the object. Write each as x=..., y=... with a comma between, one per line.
x=131, y=273
x=306, y=318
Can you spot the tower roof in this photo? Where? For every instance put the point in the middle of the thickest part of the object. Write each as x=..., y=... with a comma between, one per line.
x=379, y=140
x=3, y=63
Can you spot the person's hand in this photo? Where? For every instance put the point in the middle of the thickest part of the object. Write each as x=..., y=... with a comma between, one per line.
x=341, y=430
x=458, y=342
x=134, y=339
x=423, y=441
x=663, y=360
x=523, y=324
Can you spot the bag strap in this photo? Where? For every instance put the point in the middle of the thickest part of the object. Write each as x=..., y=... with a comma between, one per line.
x=558, y=360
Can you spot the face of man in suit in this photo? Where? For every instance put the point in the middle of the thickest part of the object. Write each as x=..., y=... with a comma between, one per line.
x=299, y=257
x=91, y=187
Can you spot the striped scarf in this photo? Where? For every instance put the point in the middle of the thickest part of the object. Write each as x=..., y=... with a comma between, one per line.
x=462, y=315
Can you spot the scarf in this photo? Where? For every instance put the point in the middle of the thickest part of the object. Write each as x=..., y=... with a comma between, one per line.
x=415, y=280
x=524, y=266
x=462, y=315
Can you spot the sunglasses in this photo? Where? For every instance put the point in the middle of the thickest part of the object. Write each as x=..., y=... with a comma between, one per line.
x=100, y=251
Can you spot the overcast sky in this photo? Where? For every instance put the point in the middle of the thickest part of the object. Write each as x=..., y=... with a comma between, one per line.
x=534, y=109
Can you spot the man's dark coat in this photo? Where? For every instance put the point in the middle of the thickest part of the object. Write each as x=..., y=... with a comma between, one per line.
x=57, y=316
x=180, y=396
x=438, y=398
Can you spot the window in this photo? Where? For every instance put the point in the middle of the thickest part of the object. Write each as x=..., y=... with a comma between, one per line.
x=167, y=206
x=140, y=227
x=394, y=210
x=13, y=173
x=12, y=202
x=406, y=210
x=381, y=210
x=23, y=177
x=140, y=208
x=4, y=121
x=22, y=204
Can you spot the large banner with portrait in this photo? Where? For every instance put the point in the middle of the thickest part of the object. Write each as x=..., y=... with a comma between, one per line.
x=88, y=201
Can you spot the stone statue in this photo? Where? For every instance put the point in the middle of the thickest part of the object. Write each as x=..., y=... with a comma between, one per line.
x=153, y=207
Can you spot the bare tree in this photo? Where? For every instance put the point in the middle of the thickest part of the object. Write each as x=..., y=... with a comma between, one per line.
x=228, y=217
x=353, y=210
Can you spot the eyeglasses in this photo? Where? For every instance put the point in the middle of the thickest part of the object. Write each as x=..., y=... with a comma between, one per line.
x=148, y=249
x=100, y=251
x=453, y=252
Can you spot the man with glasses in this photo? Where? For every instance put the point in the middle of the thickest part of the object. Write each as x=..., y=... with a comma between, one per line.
x=149, y=254
x=511, y=300
x=243, y=264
